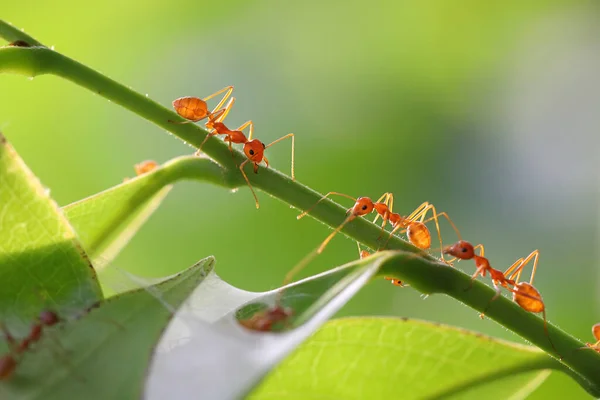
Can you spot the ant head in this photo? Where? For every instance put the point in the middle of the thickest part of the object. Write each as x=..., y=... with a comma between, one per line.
x=48, y=318
x=461, y=249
x=596, y=331
x=363, y=206
x=254, y=150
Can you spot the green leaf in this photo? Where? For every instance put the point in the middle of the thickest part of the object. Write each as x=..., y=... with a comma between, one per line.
x=208, y=352
x=41, y=261
x=105, y=222
x=386, y=358
x=105, y=354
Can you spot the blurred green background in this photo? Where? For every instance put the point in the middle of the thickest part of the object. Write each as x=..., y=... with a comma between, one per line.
x=486, y=109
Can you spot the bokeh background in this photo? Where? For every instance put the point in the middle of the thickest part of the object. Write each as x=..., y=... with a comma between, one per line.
x=489, y=110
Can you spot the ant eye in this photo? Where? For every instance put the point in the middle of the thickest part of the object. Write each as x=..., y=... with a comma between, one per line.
x=364, y=207
x=464, y=249
x=251, y=152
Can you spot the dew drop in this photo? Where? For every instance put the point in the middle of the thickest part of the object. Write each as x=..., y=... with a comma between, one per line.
x=52, y=47
x=146, y=94
x=234, y=190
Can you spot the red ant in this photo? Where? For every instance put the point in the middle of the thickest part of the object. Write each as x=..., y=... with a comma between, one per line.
x=596, y=333
x=524, y=293
x=254, y=149
x=264, y=320
x=8, y=362
x=145, y=167
x=364, y=254
x=414, y=225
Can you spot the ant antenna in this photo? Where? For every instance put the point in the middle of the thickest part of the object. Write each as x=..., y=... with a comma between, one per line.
x=255, y=152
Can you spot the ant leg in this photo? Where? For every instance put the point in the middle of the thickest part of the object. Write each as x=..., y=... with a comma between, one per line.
x=473, y=277
x=405, y=221
x=443, y=214
x=548, y=333
x=248, y=182
x=480, y=247
x=534, y=255
x=246, y=125
x=516, y=269
x=397, y=228
x=297, y=268
x=388, y=200
x=595, y=346
x=419, y=212
x=335, y=232
x=482, y=315
x=323, y=198
x=216, y=116
x=289, y=135
x=227, y=89
x=360, y=251
x=208, y=136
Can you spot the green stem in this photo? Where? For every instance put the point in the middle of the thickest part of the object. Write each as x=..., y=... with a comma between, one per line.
x=426, y=275
x=432, y=277
x=12, y=34
x=135, y=194
x=41, y=60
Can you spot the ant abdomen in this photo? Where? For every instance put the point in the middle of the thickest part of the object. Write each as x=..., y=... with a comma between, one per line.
x=7, y=366
x=596, y=331
x=419, y=235
x=528, y=297
x=191, y=108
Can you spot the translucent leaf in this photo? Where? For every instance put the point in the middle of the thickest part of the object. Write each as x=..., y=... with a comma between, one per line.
x=207, y=352
x=41, y=262
x=105, y=354
x=105, y=222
